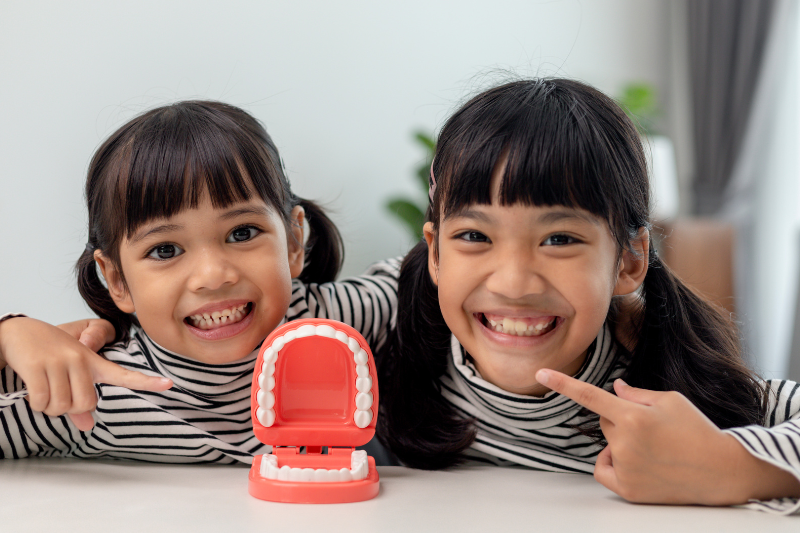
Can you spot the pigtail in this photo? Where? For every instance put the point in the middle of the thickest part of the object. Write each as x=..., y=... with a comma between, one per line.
x=417, y=424
x=687, y=345
x=324, y=247
x=97, y=297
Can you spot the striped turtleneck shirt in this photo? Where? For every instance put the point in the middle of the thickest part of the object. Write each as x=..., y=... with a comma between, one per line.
x=541, y=433
x=205, y=416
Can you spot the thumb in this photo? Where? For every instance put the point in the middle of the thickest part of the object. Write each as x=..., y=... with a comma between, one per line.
x=94, y=333
x=82, y=421
x=604, y=471
x=97, y=334
x=633, y=394
x=105, y=371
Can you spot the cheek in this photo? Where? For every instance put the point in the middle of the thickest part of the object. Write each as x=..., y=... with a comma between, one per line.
x=592, y=293
x=454, y=289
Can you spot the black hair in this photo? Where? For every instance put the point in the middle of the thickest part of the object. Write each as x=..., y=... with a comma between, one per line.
x=163, y=162
x=566, y=144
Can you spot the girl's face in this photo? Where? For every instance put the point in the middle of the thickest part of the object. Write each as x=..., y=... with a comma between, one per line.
x=209, y=283
x=524, y=288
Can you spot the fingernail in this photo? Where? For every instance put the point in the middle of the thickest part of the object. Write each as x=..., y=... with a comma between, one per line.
x=543, y=376
x=622, y=383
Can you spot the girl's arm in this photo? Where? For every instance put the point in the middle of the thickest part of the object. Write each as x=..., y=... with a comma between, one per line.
x=59, y=371
x=662, y=449
x=367, y=302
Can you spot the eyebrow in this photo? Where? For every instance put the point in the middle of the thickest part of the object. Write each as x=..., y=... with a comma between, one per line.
x=556, y=216
x=163, y=228
x=550, y=217
x=227, y=215
x=247, y=210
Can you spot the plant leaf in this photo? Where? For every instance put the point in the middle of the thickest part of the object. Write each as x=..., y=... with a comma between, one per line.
x=425, y=140
x=410, y=214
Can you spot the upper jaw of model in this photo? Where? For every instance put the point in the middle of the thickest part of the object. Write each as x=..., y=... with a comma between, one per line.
x=362, y=415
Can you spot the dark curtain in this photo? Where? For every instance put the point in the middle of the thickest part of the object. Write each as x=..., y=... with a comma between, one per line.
x=726, y=49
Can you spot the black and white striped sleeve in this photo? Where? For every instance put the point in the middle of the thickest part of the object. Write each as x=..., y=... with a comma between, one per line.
x=24, y=432
x=367, y=302
x=779, y=442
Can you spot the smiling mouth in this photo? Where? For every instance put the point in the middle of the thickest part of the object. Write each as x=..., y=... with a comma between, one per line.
x=217, y=319
x=519, y=326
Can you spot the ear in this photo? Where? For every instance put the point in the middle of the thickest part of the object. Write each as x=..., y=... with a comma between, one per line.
x=633, y=264
x=433, y=265
x=116, y=284
x=297, y=249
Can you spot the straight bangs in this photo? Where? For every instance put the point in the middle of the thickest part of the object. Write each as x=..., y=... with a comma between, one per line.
x=581, y=153
x=168, y=159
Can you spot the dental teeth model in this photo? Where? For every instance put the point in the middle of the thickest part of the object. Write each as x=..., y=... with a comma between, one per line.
x=314, y=385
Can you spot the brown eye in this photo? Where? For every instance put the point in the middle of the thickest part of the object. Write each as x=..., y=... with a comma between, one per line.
x=242, y=234
x=165, y=251
x=473, y=236
x=559, y=240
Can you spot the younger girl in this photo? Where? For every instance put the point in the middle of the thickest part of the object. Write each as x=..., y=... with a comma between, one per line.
x=538, y=226
x=199, y=239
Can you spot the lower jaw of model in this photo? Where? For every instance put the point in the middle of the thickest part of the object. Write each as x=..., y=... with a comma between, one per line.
x=358, y=470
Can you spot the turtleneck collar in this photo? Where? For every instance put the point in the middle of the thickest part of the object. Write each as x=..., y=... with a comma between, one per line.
x=192, y=375
x=497, y=406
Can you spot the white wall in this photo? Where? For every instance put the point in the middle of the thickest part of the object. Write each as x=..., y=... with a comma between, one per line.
x=340, y=86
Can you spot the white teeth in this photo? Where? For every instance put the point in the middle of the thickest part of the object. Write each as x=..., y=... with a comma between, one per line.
x=362, y=418
x=359, y=468
x=265, y=416
x=326, y=331
x=265, y=396
x=364, y=401
x=353, y=345
x=509, y=326
x=303, y=331
x=364, y=384
x=218, y=318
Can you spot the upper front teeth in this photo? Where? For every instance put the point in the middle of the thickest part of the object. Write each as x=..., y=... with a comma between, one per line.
x=513, y=327
x=216, y=318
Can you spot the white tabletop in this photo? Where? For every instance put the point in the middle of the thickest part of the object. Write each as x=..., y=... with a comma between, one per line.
x=55, y=495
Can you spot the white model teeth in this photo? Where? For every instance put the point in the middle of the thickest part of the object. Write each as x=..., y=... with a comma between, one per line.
x=509, y=326
x=266, y=380
x=359, y=468
x=219, y=318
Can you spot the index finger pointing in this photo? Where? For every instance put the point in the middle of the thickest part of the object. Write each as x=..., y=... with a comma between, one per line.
x=593, y=398
x=104, y=371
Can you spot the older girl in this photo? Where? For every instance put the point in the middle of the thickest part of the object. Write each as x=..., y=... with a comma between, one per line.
x=538, y=226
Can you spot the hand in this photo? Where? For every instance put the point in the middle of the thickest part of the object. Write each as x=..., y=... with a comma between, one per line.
x=59, y=371
x=94, y=333
x=662, y=449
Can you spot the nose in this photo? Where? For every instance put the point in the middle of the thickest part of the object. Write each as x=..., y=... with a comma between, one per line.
x=212, y=270
x=515, y=274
